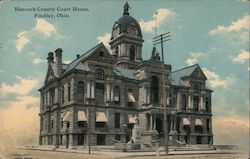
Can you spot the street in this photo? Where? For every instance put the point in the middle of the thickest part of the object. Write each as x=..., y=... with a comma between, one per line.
x=40, y=154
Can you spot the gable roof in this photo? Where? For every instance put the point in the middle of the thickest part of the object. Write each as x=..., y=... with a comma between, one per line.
x=184, y=72
x=126, y=73
x=76, y=64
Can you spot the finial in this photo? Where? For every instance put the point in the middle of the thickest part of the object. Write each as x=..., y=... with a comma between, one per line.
x=126, y=8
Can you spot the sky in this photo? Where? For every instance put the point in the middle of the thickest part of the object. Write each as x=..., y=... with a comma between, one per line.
x=214, y=34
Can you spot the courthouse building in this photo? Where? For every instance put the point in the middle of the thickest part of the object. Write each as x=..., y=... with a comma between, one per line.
x=99, y=94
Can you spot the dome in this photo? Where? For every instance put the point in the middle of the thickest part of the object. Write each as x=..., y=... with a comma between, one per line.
x=127, y=23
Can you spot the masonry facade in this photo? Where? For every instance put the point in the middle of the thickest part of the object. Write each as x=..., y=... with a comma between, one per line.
x=96, y=97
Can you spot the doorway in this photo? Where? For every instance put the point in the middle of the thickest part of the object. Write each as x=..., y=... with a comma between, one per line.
x=159, y=127
x=101, y=139
x=199, y=140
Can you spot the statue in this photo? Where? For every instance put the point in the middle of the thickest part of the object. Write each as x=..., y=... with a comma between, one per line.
x=126, y=7
x=155, y=55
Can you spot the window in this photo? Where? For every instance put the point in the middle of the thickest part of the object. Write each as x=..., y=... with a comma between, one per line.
x=207, y=104
x=184, y=102
x=61, y=139
x=101, y=54
x=80, y=139
x=81, y=124
x=198, y=129
x=116, y=50
x=80, y=91
x=154, y=95
x=68, y=124
x=61, y=123
x=131, y=98
x=170, y=100
x=69, y=91
x=52, y=124
x=132, y=53
x=62, y=94
x=208, y=125
x=99, y=93
x=99, y=74
x=196, y=87
x=196, y=103
x=52, y=96
x=117, y=94
x=117, y=120
x=100, y=124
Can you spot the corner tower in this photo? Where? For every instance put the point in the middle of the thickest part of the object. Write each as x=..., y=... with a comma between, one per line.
x=126, y=40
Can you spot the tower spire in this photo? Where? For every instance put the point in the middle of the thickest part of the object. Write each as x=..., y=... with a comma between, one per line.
x=126, y=8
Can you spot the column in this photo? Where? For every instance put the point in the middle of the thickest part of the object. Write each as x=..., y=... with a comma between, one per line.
x=190, y=101
x=145, y=94
x=201, y=103
x=108, y=91
x=88, y=89
x=148, y=94
x=151, y=122
x=154, y=121
x=179, y=104
x=92, y=89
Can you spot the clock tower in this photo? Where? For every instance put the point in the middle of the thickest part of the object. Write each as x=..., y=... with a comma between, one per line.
x=126, y=41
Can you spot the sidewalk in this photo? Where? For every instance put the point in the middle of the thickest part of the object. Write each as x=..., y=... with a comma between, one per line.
x=132, y=153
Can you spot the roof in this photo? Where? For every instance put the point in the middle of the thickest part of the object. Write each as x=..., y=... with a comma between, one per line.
x=76, y=64
x=184, y=72
x=125, y=21
x=126, y=73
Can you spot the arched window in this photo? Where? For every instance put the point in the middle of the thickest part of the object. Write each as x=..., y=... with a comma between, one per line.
x=132, y=53
x=117, y=94
x=62, y=94
x=99, y=74
x=80, y=91
x=69, y=91
x=184, y=102
x=52, y=96
x=154, y=92
x=207, y=104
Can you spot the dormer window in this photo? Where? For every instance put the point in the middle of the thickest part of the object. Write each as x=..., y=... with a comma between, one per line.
x=99, y=74
x=101, y=54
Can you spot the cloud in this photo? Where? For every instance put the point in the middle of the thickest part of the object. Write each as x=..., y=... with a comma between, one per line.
x=1, y=71
x=67, y=61
x=162, y=15
x=19, y=123
x=44, y=27
x=232, y=130
x=242, y=57
x=38, y=61
x=105, y=39
x=240, y=24
x=194, y=58
x=22, y=40
x=22, y=88
x=216, y=81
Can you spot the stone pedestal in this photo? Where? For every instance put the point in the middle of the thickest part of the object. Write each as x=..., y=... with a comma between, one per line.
x=173, y=136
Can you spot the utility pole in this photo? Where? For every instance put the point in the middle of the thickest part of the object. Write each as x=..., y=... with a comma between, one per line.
x=89, y=142
x=160, y=40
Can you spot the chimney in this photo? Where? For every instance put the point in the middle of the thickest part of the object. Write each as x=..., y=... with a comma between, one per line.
x=77, y=56
x=50, y=57
x=58, y=61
